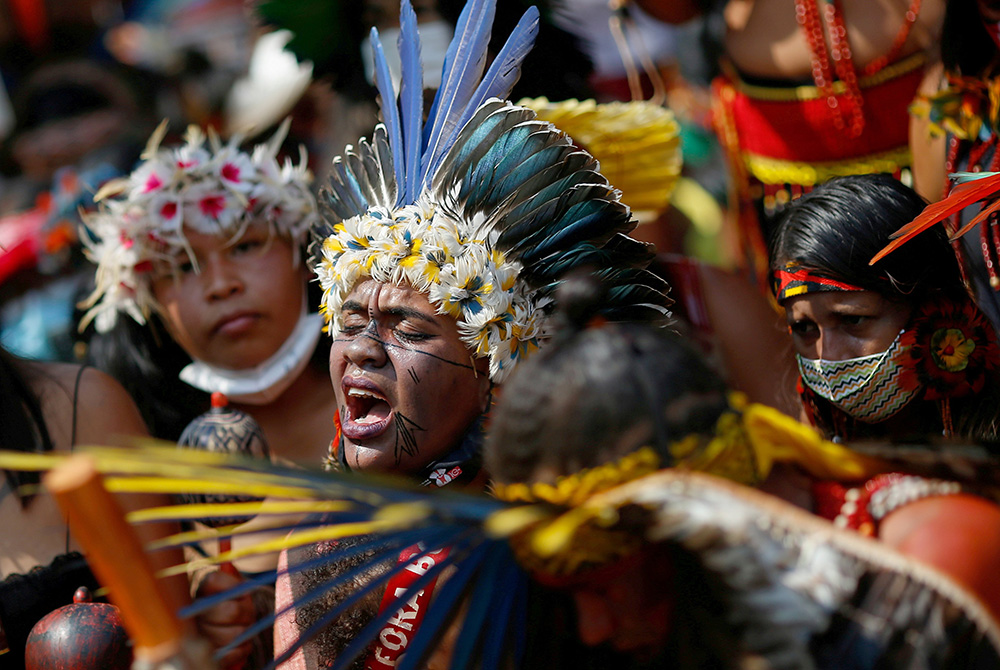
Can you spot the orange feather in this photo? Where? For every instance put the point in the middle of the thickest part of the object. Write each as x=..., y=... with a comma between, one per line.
x=961, y=196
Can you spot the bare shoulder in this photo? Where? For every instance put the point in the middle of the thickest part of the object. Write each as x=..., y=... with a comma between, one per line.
x=105, y=412
x=958, y=534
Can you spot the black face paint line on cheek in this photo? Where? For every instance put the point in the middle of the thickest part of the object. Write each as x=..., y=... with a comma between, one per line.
x=413, y=375
x=392, y=347
x=406, y=441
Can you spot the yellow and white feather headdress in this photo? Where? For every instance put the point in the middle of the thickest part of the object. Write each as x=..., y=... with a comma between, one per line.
x=483, y=207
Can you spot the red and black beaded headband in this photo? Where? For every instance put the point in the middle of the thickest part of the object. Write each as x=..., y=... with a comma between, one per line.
x=795, y=280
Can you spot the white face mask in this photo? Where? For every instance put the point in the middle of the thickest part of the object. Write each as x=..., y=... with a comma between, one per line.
x=262, y=383
x=435, y=36
x=868, y=388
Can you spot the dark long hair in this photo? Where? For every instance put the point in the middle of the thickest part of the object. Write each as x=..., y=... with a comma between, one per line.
x=596, y=393
x=22, y=426
x=147, y=362
x=836, y=229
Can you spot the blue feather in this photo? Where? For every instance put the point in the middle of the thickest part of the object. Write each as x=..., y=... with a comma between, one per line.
x=463, y=68
x=550, y=216
x=531, y=152
x=432, y=541
x=372, y=628
x=411, y=98
x=390, y=113
x=443, y=605
x=506, y=67
x=511, y=580
x=581, y=222
x=487, y=124
x=480, y=604
x=386, y=548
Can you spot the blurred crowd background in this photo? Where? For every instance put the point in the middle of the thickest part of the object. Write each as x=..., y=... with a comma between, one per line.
x=84, y=82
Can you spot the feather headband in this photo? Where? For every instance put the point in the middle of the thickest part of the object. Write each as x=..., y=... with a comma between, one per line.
x=202, y=185
x=483, y=208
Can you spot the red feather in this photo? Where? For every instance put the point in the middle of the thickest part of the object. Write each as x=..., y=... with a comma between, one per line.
x=983, y=214
x=960, y=197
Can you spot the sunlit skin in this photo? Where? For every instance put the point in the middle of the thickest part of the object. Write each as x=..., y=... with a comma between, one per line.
x=240, y=304
x=840, y=325
x=407, y=387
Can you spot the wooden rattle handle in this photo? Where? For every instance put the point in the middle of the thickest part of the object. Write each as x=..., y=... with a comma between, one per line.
x=116, y=557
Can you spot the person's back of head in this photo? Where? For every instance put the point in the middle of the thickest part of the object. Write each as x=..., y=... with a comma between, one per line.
x=599, y=391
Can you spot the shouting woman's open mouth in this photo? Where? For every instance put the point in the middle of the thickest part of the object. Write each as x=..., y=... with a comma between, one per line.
x=367, y=411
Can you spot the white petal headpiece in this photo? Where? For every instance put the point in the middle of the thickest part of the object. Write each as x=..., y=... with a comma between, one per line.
x=202, y=185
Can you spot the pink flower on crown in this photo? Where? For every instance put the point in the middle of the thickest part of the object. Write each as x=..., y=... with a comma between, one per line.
x=189, y=158
x=210, y=209
x=236, y=171
x=212, y=205
x=151, y=178
x=165, y=213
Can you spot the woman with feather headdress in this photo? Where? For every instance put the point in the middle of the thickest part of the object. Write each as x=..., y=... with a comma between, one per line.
x=445, y=242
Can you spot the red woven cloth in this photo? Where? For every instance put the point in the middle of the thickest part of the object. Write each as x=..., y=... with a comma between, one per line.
x=801, y=130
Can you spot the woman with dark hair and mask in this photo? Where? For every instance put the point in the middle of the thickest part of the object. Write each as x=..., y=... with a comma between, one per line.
x=893, y=350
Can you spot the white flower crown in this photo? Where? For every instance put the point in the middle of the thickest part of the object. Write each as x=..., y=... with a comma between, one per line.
x=438, y=255
x=215, y=189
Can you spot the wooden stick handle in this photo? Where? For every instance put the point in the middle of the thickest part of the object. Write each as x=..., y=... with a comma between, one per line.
x=116, y=556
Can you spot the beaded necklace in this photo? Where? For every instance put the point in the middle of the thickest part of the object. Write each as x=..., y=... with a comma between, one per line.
x=831, y=22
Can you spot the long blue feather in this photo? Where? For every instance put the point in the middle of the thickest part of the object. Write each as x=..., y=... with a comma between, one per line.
x=442, y=606
x=411, y=99
x=463, y=68
x=390, y=113
x=433, y=541
x=480, y=603
x=505, y=69
x=367, y=634
x=511, y=581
